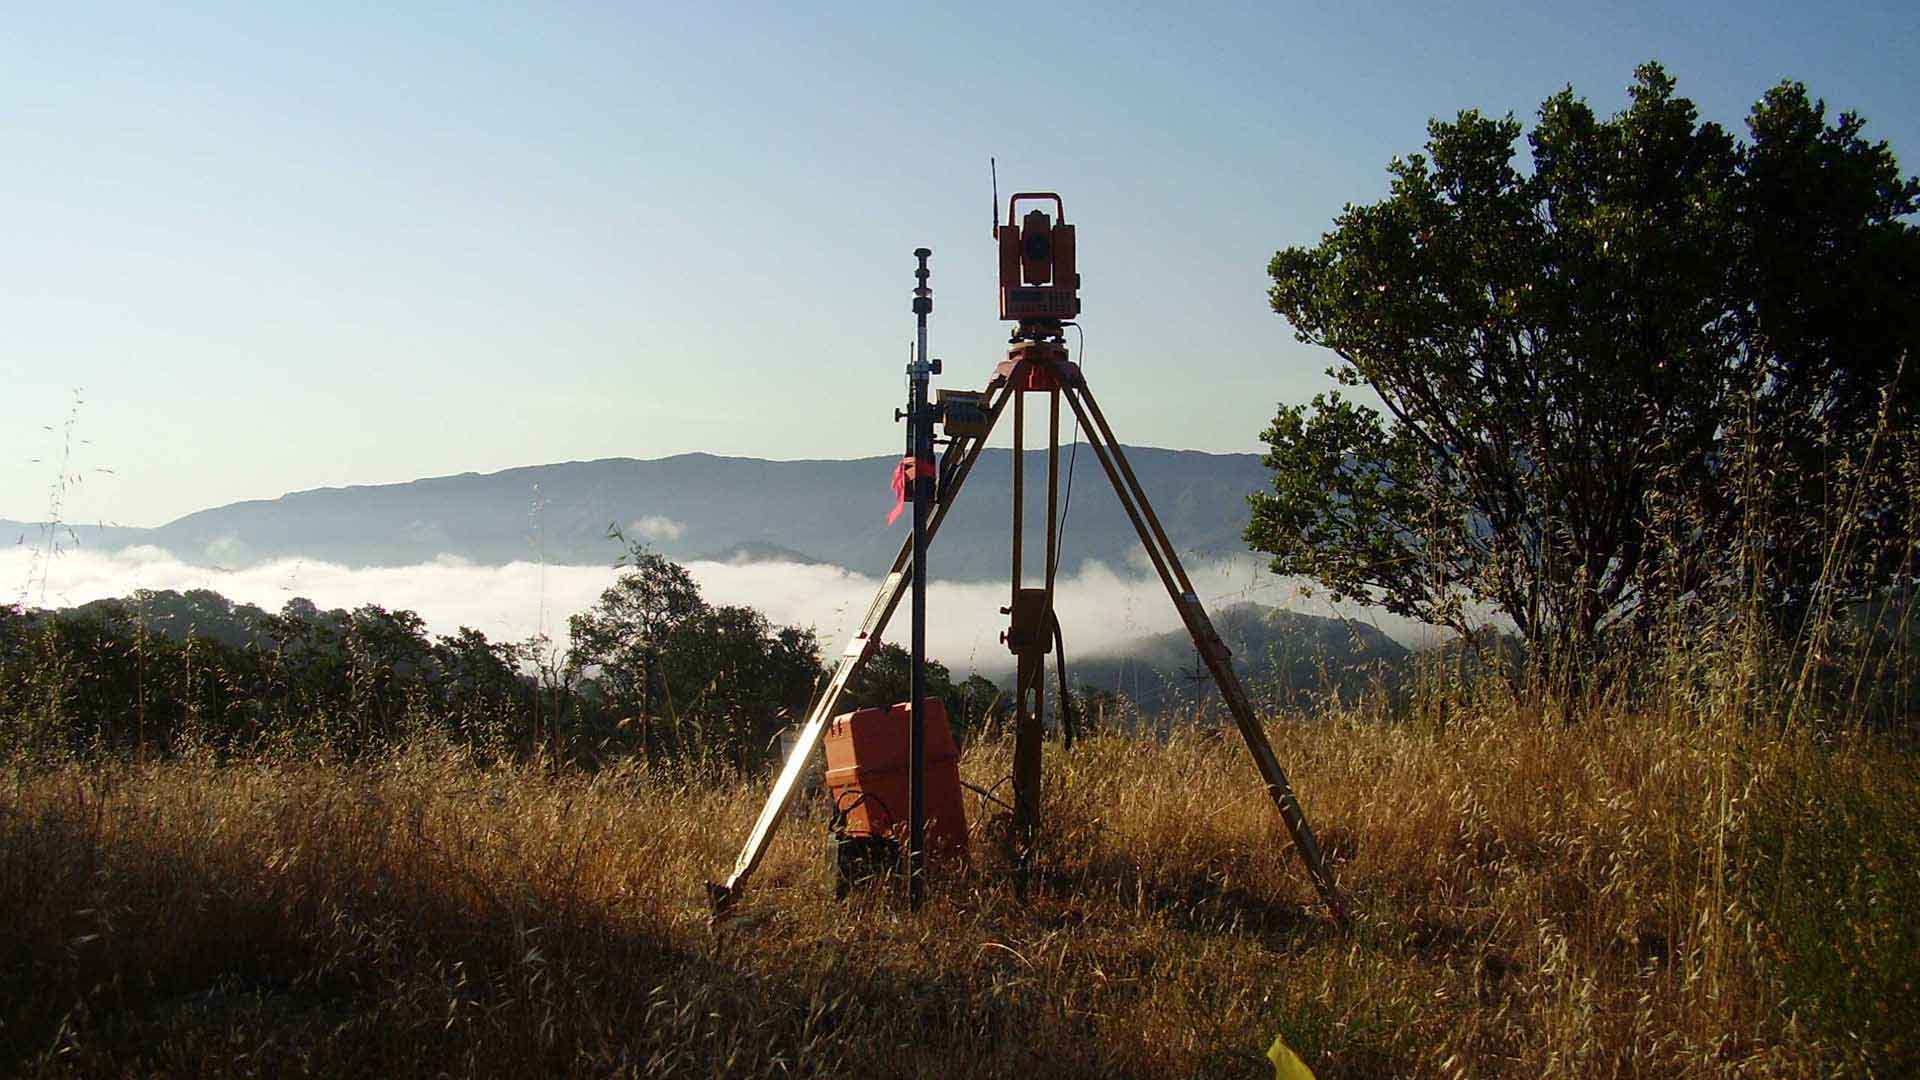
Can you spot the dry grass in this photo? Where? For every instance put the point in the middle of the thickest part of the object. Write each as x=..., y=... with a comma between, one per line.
x=1650, y=896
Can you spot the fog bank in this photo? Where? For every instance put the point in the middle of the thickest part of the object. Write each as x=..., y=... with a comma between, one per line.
x=1100, y=607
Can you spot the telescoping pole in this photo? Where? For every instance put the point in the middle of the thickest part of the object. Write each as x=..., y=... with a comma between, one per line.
x=920, y=453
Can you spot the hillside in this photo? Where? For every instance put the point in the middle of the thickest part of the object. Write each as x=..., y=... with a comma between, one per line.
x=695, y=505
x=1282, y=656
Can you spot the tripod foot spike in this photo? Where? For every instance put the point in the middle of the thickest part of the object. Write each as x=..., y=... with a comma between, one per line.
x=720, y=902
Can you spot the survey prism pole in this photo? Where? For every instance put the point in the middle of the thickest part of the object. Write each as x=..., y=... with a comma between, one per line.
x=920, y=470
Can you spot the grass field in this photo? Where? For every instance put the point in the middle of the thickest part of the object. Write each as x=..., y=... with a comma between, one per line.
x=1665, y=894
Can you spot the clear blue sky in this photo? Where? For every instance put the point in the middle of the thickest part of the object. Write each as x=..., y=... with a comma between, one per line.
x=332, y=244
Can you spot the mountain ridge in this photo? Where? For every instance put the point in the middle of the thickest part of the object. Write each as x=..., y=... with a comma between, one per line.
x=687, y=505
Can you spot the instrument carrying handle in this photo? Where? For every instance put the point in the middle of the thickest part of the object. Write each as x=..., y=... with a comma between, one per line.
x=1059, y=208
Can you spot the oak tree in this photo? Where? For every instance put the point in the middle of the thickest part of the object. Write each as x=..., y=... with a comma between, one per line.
x=1653, y=361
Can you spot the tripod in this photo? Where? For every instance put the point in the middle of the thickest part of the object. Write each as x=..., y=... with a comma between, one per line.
x=1036, y=363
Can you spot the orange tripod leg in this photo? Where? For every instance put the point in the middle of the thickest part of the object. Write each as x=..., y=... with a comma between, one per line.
x=1166, y=563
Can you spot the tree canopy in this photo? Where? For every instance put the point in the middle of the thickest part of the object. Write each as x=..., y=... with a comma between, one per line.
x=1661, y=361
x=720, y=677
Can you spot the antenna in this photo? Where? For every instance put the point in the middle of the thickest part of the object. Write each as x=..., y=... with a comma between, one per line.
x=993, y=168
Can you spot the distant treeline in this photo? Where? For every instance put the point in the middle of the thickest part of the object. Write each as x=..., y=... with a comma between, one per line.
x=653, y=670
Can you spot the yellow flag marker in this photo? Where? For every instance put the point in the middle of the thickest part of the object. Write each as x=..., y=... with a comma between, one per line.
x=1287, y=1064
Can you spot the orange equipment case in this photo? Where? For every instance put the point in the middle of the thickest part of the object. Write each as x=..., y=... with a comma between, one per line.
x=867, y=776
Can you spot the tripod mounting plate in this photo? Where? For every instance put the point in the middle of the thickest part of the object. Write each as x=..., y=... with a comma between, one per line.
x=1031, y=377
x=1030, y=630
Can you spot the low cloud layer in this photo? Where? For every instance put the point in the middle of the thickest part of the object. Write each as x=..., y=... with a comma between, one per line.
x=1100, y=608
x=657, y=528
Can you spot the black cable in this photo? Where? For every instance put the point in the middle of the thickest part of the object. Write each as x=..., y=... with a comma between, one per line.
x=1059, y=541
x=1067, y=724
x=837, y=823
x=987, y=794
x=1073, y=457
